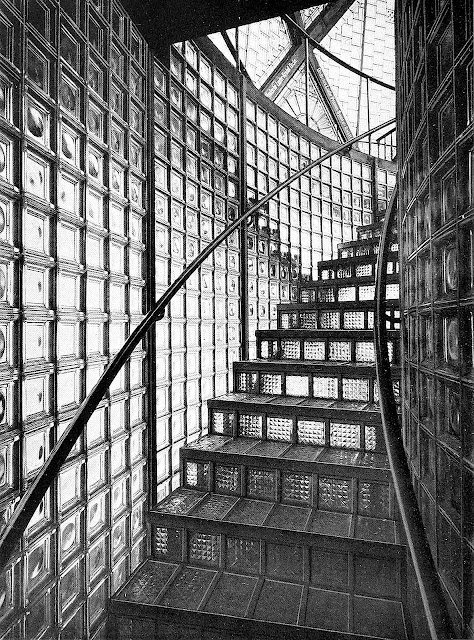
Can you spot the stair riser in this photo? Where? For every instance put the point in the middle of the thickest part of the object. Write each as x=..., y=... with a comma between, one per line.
x=332, y=316
x=354, y=266
x=327, y=291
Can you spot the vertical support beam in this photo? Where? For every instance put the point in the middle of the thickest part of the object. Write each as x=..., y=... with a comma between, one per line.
x=306, y=60
x=244, y=316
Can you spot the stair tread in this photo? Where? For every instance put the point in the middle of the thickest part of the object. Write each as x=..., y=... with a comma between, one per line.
x=296, y=402
x=323, y=365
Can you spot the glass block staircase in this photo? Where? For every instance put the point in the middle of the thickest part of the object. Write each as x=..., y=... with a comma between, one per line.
x=285, y=522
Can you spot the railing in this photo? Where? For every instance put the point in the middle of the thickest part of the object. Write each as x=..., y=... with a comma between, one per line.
x=436, y=614
x=36, y=491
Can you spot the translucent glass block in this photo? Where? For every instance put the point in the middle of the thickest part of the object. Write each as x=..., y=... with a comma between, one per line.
x=362, y=251
x=346, y=436
x=288, y=320
x=261, y=484
x=297, y=385
x=362, y=270
x=311, y=432
x=250, y=426
x=168, y=543
x=291, y=349
x=308, y=320
x=392, y=291
x=227, y=479
x=376, y=391
x=370, y=438
x=367, y=292
x=324, y=387
x=334, y=494
x=264, y=350
x=296, y=487
x=204, y=547
x=329, y=320
x=270, y=383
x=365, y=352
x=374, y=499
x=247, y=382
x=353, y=319
x=314, y=350
x=197, y=475
x=243, y=555
x=326, y=294
x=344, y=272
x=355, y=389
x=390, y=351
x=370, y=320
x=346, y=294
x=222, y=422
x=339, y=350
x=279, y=428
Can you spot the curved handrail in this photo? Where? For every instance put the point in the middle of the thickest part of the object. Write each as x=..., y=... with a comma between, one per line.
x=426, y=575
x=36, y=491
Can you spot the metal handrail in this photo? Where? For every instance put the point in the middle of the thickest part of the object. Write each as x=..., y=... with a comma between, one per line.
x=36, y=491
x=429, y=585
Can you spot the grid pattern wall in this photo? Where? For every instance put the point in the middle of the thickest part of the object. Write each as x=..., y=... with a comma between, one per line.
x=436, y=136
x=196, y=144
x=72, y=148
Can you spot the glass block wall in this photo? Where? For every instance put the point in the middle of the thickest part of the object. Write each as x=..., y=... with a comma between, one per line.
x=436, y=145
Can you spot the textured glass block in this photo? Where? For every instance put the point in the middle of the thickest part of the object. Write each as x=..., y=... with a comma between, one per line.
x=311, y=432
x=308, y=320
x=367, y=292
x=326, y=294
x=329, y=320
x=346, y=294
x=324, y=387
x=197, y=475
x=344, y=272
x=214, y=507
x=339, y=350
x=346, y=436
x=296, y=487
x=250, y=426
x=270, y=383
x=353, y=319
x=261, y=484
x=392, y=292
x=243, y=555
x=204, y=547
x=362, y=270
x=222, y=422
x=370, y=438
x=188, y=589
x=374, y=499
x=247, y=382
x=288, y=320
x=168, y=543
x=227, y=479
x=179, y=502
x=314, y=350
x=279, y=428
x=334, y=494
x=291, y=349
x=365, y=352
x=297, y=385
x=355, y=389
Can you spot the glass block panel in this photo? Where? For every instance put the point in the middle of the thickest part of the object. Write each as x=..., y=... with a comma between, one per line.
x=365, y=352
x=324, y=387
x=261, y=484
x=243, y=555
x=392, y=292
x=353, y=319
x=270, y=383
x=374, y=499
x=355, y=389
x=247, y=382
x=362, y=270
x=334, y=494
x=346, y=436
x=250, y=426
x=291, y=349
x=311, y=432
x=279, y=428
x=367, y=293
x=308, y=320
x=296, y=487
x=370, y=438
x=227, y=479
x=314, y=350
x=344, y=272
x=326, y=294
x=346, y=294
x=197, y=475
x=329, y=320
x=297, y=385
x=168, y=543
x=339, y=350
x=204, y=547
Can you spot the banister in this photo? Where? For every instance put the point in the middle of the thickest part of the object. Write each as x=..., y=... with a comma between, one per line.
x=428, y=582
x=32, y=497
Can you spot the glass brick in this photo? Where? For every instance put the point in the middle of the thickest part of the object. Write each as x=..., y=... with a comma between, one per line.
x=346, y=436
x=168, y=543
x=324, y=387
x=308, y=320
x=374, y=499
x=247, y=382
x=339, y=350
x=250, y=426
x=314, y=350
x=243, y=555
x=334, y=494
x=197, y=475
x=261, y=484
x=326, y=294
x=370, y=320
x=204, y=547
x=392, y=292
x=343, y=272
x=222, y=422
x=353, y=319
x=291, y=349
x=270, y=383
x=279, y=428
x=227, y=479
x=297, y=385
x=289, y=320
x=296, y=487
x=370, y=438
x=355, y=389
x=362, y=270
x=329, y=320
x=365, y=352
x=311, y=432
x=346, y=294
x=367, y=292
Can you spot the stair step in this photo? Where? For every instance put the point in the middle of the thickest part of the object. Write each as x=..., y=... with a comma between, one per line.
x=334, y=315
x=346, y=290
x=216, y=604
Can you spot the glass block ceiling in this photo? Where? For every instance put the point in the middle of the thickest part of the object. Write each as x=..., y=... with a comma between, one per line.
x=363, y=37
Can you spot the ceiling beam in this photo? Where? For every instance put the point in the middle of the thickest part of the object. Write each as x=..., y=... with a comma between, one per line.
x=293, y=32
x=319, y=28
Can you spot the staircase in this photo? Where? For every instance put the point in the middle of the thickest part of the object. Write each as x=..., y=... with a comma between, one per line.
x=285, y=524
